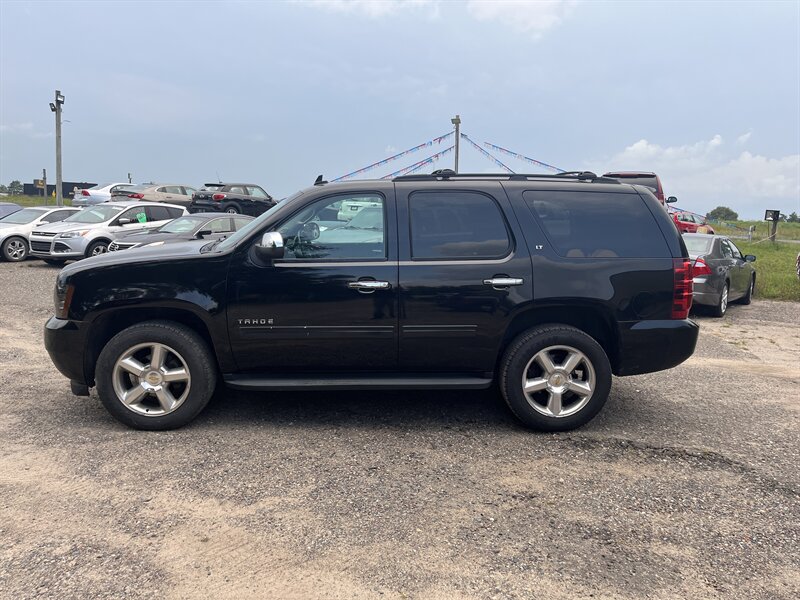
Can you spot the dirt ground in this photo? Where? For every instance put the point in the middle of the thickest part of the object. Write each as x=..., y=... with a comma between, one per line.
x=686, y=486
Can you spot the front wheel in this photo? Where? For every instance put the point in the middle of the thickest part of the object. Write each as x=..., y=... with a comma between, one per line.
x=97, y=248
x=748, y=297
x=156, y=375
x=15, y=249
x=555, y=378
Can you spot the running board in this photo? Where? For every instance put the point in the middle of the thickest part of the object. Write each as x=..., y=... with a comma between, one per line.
x=326, y=381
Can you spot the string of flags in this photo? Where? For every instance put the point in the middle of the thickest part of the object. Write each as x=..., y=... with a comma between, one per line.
x=486, y=154
x=418, y=165
x=436, y=140
x=522, y=157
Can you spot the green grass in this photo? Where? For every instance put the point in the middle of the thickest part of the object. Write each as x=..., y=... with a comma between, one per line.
x=775, y=275
x=786, y=231
x=33, y=200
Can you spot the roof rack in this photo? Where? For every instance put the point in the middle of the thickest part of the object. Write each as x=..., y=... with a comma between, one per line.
x=445, y=174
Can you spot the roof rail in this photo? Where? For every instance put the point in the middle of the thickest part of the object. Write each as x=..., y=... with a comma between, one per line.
x=446, y=174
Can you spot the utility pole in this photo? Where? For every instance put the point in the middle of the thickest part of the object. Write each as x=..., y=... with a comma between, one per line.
x=129, y=178
x=44, y=185
x=56, y=108
x=457, y=122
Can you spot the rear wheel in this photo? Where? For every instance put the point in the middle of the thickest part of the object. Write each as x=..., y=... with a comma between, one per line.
x=15, y=249
x=722, y=305
x=156, y=375
x=555, y=378
x=232, y=209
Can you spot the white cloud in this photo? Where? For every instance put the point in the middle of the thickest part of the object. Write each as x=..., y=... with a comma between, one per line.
x=390, y=149
x=527, y=17
x=705, y=174
x=742, y=139
x=16, y=127
x=374, y=8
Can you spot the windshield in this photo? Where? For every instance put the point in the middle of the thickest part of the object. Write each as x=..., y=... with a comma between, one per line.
x=698, y=245
x=247, y=230
x=367, y=218
x=26, y=215
x=180, y=225
x=95, y=214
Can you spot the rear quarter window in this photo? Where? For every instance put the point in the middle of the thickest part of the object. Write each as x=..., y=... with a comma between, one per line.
x=597, y=224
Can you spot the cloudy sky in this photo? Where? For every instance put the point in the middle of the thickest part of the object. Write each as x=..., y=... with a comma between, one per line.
x=705, y=94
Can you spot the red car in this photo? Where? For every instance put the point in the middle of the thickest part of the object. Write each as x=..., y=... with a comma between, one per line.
x=688, y=223
x=650, y=180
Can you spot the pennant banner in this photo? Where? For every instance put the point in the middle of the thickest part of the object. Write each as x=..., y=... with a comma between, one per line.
x=486, y=154
x=418, y=165
x=522, y=157
x=436, y=140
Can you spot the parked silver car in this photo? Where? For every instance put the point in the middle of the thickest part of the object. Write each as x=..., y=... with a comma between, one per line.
x=89, y=232
x=95, y=195
x=16, y=227
x=720, y=273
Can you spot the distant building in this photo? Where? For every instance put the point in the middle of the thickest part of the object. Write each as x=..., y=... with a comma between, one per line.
x=30, y=189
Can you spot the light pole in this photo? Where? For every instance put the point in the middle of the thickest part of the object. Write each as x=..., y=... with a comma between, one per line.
x=56, y=108
x=457, y=122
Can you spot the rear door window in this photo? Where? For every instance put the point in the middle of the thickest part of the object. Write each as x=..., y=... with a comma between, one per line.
x=597, y=224
x=457, y=225
x=158, y=213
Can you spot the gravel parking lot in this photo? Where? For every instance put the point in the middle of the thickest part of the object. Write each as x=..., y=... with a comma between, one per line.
x=686, y=486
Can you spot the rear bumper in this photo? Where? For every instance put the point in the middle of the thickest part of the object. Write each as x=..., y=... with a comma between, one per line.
x=201, y=207
x=705, y=292
x=65, y=342
x=648, y=346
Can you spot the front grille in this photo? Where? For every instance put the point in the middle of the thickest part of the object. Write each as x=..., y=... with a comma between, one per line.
x=45, y=234
x=114, y=246
x=40, y=246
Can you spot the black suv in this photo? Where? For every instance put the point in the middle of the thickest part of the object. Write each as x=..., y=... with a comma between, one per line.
x=546, y=285
x=234, y=198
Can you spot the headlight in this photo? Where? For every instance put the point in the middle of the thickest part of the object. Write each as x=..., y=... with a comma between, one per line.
x=73, y=234
x=62, y=297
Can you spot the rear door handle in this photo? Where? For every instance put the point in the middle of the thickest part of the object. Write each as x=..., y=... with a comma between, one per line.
x=369, y=286
x=501, y=282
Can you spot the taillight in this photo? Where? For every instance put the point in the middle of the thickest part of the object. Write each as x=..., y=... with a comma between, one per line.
x=84, y=192
x=218, y=197
x=681, y=288
x=700, y=268
x=137, y=196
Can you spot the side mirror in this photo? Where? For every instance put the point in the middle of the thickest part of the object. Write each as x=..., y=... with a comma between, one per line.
x=202, y=233
x=671, y=199
x=750, y=257
x=124, y=221
x=270, y=247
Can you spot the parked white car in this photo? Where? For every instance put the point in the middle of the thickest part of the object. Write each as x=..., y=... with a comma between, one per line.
x=97, y=194
x=89, y=232
x=16, y=227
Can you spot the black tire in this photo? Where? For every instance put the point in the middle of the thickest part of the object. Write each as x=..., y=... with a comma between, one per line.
x=15, y=249
x=232, y=209
x=748, y=297
x=97, y=248
x=721, y=307
x=519, y=361
x=187, y=344
x=54, y=262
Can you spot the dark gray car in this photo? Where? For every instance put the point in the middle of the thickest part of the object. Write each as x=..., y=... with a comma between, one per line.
x=210, y=226
x=721, y=274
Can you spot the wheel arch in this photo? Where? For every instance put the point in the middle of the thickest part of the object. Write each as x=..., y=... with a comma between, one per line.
x=108, y=324
x=594, y=321
x=101, y=238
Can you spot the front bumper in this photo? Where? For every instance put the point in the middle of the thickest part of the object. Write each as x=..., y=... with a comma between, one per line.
x=65, y=342
x=55, y=247
x=648, y=346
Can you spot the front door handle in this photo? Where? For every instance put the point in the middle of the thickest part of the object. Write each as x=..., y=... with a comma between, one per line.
x=369, y=286
x=502, y=282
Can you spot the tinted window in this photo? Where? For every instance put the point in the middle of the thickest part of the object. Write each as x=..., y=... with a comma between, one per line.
x=58, y=215
x=312, y=235
x=726, y=249
x=136, y=215
x=174, y=212
x=158, y=213
x=735, y=250
x=598, y=224
x=187, y=191
x=456, y=226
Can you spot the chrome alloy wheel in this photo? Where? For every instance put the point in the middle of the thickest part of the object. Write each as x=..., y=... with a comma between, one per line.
x=558, y=381
x=723, y=300
x=15, y=250
x=99, y=249
x=151, y=379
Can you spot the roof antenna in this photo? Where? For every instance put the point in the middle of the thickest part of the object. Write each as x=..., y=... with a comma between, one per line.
x=218, y=179
x=320, y=181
